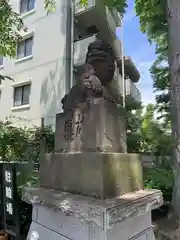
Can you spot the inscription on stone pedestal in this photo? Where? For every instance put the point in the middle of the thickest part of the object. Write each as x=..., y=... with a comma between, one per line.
x=68, y=129
x=79, y=119
x=73, y=126
x=91, y=126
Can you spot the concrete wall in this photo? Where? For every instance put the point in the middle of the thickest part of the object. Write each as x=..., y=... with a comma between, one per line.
x=46, y=69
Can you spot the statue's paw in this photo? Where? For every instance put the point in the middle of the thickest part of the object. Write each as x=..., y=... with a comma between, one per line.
x=87, y=84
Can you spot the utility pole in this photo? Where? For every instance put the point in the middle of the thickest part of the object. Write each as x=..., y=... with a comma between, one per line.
x=123, y=75
x=174, y=68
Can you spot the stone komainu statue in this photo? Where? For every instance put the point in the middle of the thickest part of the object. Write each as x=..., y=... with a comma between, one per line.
x=101, y=56
x=99, y=72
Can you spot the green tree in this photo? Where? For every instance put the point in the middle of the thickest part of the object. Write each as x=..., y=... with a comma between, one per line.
x=133, y=124
x=23, y=144
x=153, y=22
x=160, y=21
x=146, y=134
x=155, y=137
x=161, y=77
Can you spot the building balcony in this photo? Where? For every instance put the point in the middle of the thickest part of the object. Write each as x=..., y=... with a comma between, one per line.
x=81, y=46
x=133, y=95
x=130, y=69
x=80, y=50
x=95, y=13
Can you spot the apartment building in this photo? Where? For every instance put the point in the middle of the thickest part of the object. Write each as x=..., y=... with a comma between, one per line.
x=51, y=55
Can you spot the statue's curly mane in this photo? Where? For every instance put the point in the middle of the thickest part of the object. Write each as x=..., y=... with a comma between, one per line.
x=99, y=50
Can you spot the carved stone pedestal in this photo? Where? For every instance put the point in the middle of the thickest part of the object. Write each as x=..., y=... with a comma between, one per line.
x=93, y=174
x=97, y=125
x=91, y=163
x=63, y=216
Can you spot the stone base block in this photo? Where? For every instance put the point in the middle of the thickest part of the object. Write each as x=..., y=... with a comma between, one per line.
x=62, y=216
x=100, y=175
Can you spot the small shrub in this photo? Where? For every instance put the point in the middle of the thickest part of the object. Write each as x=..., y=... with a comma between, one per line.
x=160, y=177
x=23, y=144
x=19, y=144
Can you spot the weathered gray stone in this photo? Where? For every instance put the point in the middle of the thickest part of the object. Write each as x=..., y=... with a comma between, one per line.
x=90, y=160
x=76, y=217
x=92, y=211
x=98, y=125
x=100, y=175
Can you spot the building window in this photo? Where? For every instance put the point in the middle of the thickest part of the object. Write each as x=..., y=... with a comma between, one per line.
x=24, y=48
x=21, y=95
x=1, y=60
x=26, y=6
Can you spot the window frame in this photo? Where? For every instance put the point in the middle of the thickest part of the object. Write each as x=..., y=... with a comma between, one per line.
x=24, y=42
x=27, y=8
x=22, y=87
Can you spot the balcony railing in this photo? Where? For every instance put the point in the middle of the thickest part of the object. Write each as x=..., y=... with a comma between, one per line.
x=132, y=91
x=133, y=95
x=80, y=49
x=81, y=46
x=95, y=13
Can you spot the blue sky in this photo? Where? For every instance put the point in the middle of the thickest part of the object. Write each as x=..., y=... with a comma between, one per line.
x=136, y=46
